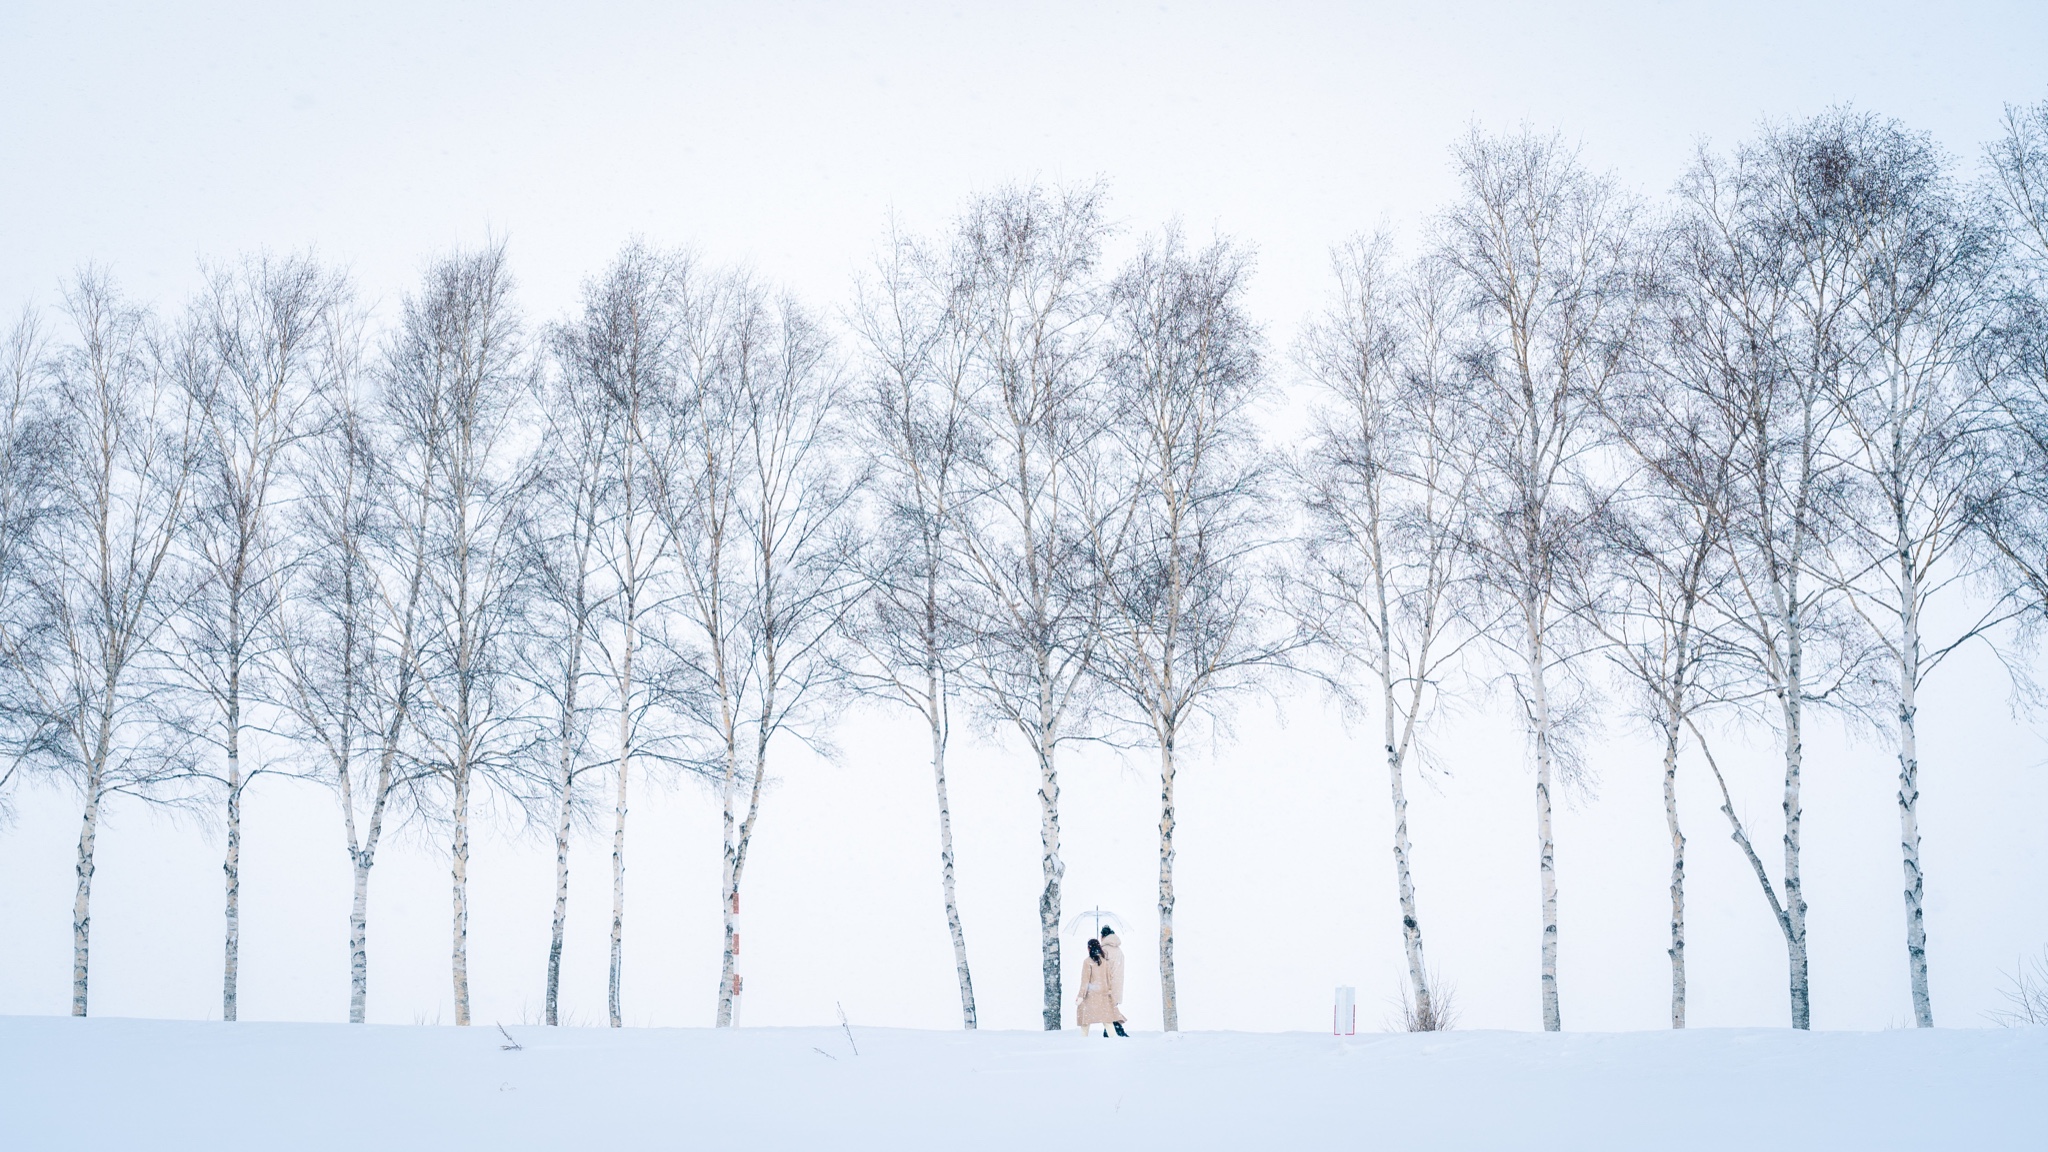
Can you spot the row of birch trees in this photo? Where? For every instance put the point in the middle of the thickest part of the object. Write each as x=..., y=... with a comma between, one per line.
x=1769, y=448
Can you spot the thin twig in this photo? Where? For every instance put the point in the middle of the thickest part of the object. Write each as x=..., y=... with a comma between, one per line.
x=847, y=1027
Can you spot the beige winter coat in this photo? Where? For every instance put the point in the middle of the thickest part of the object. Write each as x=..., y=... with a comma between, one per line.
x=1113, y=954
x=1095, y=998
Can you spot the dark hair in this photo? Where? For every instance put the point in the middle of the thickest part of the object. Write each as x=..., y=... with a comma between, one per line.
x=1094, y=949
x=1108, y=931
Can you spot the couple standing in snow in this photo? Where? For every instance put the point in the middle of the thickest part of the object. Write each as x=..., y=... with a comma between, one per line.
x=1102, y=985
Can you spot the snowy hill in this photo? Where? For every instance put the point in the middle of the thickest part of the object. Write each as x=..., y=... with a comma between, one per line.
x=133, y=1084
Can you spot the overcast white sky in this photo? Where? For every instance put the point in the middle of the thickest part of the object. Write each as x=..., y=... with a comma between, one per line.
x=150, y=137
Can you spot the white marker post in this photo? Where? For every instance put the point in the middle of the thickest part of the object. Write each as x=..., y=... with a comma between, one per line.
x=1344, y=1021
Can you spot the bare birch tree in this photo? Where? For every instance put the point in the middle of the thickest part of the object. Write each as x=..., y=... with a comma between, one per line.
x=1538, y=245
x=619, y=357
x=1385, y=480
x=1918, y=418
x=351, y=624
x=751, y=498
x=906, y=634
x=1768, y=246
x=1662, y=563
x=1186, y=621
x=100, y=573
x=255, y=332
x=560, y=523
x=455, y=382
x=1027, y=540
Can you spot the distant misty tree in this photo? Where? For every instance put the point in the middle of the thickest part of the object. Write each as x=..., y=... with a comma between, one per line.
x=1385, y=479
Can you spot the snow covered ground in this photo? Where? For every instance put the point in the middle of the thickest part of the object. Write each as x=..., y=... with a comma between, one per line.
x=136, y=1084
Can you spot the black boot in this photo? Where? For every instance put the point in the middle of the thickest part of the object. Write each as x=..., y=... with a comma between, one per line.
x=1120, y=1030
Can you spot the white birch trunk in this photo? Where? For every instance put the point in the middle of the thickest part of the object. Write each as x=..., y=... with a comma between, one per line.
x=729, y=884
x=1396, y=746
x=630, y=641
x=1049, y=897
x=1909, y=782
x=729, y=914
x=559, y=922
x=1546, y=854
x=459, y=873
x=1169, y=999
x=1411, y=925
x=363, y=856
x=566, y=738
x=361, y=859
x=232, y=866
x=1677, y=949
x=81, y=908
x=968, y=1018
x=1785, y=618
x=1795, y=900
x=618, y=953
x=359, y=941
x=463, y=740
x=736, y=855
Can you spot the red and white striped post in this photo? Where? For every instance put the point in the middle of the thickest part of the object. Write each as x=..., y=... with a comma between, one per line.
x=737, y=981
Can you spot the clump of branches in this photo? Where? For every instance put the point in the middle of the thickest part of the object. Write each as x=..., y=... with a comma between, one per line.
x=1438, y=1012
x=2026, y=994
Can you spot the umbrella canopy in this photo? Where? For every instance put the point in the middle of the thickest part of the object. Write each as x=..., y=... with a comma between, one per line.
x=1091, y=922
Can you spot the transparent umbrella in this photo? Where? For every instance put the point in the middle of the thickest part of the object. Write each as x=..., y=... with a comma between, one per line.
x=1090, y=923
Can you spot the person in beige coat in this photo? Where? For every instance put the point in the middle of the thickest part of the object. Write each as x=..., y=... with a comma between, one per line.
x=1094, y=1001
x=1113, y=955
